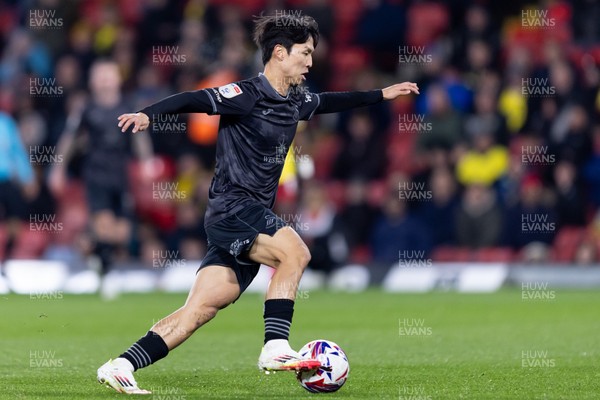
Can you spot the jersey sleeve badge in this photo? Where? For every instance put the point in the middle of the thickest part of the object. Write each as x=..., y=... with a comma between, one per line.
x=231, y=90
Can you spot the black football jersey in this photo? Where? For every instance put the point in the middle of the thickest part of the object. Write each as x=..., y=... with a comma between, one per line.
x=255, y=132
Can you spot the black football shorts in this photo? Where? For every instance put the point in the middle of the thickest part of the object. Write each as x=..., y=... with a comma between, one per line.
x=230, y=239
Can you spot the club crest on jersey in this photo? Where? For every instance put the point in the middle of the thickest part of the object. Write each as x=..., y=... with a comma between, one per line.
x=230, y=90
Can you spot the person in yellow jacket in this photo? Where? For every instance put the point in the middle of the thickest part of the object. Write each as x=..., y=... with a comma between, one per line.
x=484, y=163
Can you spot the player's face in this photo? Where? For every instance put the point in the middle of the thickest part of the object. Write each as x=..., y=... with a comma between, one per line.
x=298, y=62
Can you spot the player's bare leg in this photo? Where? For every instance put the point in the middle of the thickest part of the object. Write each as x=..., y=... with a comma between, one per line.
x=288, y=254
x=215, y=288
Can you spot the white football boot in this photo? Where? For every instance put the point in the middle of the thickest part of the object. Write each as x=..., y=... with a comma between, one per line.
x=118, y=375
x=277, y=355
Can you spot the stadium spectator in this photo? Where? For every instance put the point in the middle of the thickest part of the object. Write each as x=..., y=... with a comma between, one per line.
x=17, y=181
x=586, y=254
x=570, y=205
x=479, y=218
x=591, y=170
x=105, y=164
x=362, y=156
x=531, y=219
x=439, y=214
x=485, y=163
x=446, y=124
x=398, y=230
x=314, y=223
x=356, y=219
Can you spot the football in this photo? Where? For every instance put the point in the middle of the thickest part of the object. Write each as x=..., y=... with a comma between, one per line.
x=334, y=369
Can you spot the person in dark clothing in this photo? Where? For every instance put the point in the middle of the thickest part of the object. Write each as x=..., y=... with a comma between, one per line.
x=259, y=117
x=363, y=155
x=107, y=153
x=398, y=234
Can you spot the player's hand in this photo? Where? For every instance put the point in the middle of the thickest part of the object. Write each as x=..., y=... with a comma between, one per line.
x=399, y=89
x=140, y=122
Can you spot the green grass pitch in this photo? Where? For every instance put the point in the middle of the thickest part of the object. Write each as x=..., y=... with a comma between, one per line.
x=426, y=346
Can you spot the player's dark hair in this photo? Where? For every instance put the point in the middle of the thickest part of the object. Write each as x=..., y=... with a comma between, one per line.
x=286, y=29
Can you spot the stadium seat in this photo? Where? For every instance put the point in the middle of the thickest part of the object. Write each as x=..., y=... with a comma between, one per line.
x=377, y=193
x=336, y=194
x=30, y=244
x=451, y=254
x=325, y=150
x=426, y=21
x=494, y=254
x=360, y=255
x=566, y=242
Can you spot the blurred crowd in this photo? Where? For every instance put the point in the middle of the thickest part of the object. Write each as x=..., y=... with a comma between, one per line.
x=498, y=158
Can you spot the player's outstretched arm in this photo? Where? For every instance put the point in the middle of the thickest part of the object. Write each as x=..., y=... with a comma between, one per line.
x=185, y=102
x=399, y=89
x=231, y=99
x=331, y=102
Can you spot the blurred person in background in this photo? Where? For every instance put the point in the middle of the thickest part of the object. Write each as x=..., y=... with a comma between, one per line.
x=356, y=219
x=17, y=181
x=586, y=253
x=591, y=170
x=531, y=219
x=479, y=218
x=315, y=226
x=485, y=163
x=487, y=118
x=439, y=214
x=446, y=123
x=397, y=230
x=570, y=205
x=107, y=153
x=362, y=156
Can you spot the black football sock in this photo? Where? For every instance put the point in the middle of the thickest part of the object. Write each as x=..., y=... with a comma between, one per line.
x=278, y=318
x=148, y=350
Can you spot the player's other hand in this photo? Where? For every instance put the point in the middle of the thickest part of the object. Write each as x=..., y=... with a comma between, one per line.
x=391, y=92
x=140, y=122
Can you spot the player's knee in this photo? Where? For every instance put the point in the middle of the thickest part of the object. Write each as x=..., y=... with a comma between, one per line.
x=295, y=252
